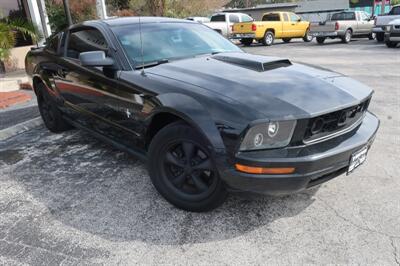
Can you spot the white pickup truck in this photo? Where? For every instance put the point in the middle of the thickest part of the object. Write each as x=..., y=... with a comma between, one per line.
x=384, y=20
x=223, y=22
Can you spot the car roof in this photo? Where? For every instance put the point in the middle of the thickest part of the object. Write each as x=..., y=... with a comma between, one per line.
x=121, y=21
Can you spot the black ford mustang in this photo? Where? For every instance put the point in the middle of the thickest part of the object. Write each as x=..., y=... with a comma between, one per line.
x=207, y=117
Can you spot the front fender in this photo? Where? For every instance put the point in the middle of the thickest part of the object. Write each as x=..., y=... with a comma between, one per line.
x=195, y=114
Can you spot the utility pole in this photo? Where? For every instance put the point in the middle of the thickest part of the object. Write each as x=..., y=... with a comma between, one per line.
x=67, y=12
x=101, y=9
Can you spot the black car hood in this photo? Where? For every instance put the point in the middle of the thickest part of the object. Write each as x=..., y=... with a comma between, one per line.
x=281, y=90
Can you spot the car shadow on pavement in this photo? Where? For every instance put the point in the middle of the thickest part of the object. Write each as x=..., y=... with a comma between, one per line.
x=96, y=189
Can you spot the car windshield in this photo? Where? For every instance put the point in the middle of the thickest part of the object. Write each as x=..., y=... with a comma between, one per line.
x=169, y=41
x=344, y=16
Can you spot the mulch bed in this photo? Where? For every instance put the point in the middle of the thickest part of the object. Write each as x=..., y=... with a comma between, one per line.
x=8, y=99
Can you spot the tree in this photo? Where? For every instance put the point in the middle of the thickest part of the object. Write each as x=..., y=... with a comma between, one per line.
x=8, y=30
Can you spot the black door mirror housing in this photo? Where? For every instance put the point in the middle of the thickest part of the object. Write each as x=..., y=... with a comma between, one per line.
x=95, y=59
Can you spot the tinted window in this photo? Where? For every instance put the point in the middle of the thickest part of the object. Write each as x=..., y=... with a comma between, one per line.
x=174, y=41
x=285, y=17
x=395, y=10
x=234, y=19
x=218, y=18
x=85, y=41
x=344, y=16
x=52, y=43
x=271, y=17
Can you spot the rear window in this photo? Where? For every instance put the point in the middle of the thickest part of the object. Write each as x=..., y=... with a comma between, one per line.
x=344, y=16
x=218, y=18
x=271, y=17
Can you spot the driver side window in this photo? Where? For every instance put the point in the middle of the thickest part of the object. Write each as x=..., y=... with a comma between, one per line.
x=86, y=40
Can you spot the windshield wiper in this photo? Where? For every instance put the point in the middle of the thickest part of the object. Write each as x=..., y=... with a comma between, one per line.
x=151, y=64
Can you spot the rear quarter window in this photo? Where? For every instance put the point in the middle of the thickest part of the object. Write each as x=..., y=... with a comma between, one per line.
x=53, y=44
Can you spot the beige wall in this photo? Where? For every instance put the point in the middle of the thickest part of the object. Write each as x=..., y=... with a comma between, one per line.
x=17, y=58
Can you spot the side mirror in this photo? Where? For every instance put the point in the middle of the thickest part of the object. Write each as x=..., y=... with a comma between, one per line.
x=95, y=59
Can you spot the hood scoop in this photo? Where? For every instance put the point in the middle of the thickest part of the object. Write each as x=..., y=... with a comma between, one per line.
x=254, y=63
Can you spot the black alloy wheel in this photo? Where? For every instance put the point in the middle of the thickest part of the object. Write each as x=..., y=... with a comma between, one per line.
x=182, y=169
x=49, y=112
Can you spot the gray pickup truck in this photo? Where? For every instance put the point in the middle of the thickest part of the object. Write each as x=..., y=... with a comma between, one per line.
x=392, y=33
x=343, y=25
x=384, y=20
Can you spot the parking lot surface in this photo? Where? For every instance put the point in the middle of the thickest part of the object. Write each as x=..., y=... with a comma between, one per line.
x=69, y=199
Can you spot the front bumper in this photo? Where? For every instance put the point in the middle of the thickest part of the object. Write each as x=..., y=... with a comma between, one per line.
x=314, y=164
x=392, y=36
x=380, y=29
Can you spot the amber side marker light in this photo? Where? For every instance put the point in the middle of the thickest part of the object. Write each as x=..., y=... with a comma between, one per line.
x=262, y=170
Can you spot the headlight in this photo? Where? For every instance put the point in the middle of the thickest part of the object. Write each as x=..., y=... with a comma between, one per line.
x=388, y=28
x=275, y=134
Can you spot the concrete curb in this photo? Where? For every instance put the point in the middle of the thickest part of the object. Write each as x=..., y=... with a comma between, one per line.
x=20, y=128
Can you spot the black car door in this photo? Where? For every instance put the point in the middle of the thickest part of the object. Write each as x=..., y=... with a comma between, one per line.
x=99, y=101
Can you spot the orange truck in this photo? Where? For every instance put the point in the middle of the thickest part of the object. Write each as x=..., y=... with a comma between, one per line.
x=275, y=25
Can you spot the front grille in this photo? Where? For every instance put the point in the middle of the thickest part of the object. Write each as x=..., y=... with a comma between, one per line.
x=397, y=27
x=329, y=125
x=395, y=34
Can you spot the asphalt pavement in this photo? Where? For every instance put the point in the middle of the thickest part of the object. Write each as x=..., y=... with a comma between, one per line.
x=69, y=199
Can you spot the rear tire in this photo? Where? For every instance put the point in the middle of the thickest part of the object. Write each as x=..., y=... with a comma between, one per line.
x=287, y=40
x=269, y=38
x=380, y=37
x=347, y=36
x=49, y=111
x=247, y=41
x=183, y=171
x=391, y=44
x=321, y=40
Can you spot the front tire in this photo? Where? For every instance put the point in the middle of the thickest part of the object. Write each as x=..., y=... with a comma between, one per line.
x=183, y=171
x=269, y=38
x=321, y=40
x=308, y=37
x=347, y=36
x=380, y=37
x=49, y=112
